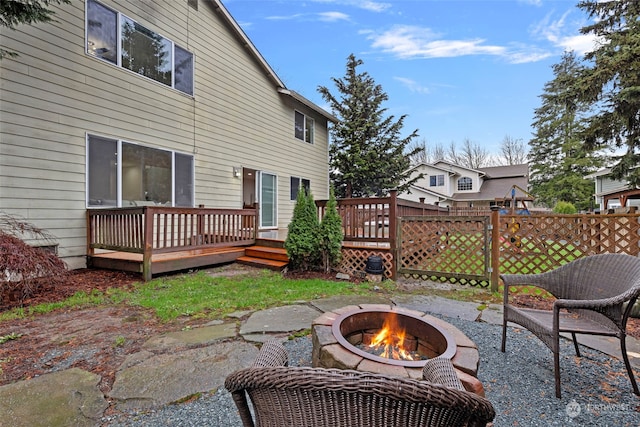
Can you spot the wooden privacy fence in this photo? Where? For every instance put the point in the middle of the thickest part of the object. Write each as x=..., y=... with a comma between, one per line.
x=155, y=230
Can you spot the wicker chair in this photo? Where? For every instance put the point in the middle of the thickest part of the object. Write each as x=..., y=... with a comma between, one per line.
x=304, y=396
x=595, y=295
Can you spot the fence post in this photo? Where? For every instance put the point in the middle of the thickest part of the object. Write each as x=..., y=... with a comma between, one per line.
x=495, y=247
x=147, y=243
x=393, y=236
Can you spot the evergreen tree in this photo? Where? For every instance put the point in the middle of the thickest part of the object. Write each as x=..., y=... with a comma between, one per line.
x=302, y=237
x=331, y=234
x=367, y=152
x=558, y=159
x=612, y=82
x=16, y=12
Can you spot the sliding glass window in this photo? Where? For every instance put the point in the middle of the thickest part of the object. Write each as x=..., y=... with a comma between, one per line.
x=121, y=174
x=120, y=40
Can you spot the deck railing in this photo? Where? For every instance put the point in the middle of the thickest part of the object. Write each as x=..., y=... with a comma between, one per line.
x=373, y=219
x=151, y=230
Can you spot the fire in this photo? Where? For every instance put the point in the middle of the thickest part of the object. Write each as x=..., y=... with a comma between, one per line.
x=390, y=341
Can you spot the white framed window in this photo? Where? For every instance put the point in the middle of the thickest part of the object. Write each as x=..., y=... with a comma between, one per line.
x=268, y=186
x=303, y=127
x=465, y=183
x=436, y=180
x=296, y=182
x=122, y=174
x=120, y=40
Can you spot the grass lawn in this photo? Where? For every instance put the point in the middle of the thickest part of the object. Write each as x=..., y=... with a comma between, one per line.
x=200, y=295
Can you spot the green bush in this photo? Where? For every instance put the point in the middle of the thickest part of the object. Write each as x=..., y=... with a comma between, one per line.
x=564, y=208
x=302, y=238
x=331, y=234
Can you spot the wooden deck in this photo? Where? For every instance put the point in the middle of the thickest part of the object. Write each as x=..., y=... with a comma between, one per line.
x=167, y=261
x=156, y=239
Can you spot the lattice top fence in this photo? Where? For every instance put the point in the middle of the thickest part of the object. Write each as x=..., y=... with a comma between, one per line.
x=538, y=243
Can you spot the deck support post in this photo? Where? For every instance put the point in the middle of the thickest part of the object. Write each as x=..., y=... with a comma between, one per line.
x=147, y=245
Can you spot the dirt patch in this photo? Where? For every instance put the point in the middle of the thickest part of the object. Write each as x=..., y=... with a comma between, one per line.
x=94, y=339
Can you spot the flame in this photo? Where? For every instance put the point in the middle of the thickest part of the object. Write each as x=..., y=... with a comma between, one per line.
x=390, y=340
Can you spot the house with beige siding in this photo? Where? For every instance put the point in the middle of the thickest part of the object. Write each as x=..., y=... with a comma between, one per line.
x=122, y=103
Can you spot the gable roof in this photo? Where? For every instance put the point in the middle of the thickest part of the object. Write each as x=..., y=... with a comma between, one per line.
x=509, y=171
x=498, y=182
x=242, y=37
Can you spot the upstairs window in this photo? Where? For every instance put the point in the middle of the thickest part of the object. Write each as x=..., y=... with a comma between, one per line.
x=436, y=180
x=303, y=127
x=295, y=186
x=465, y=183
x=137, y=48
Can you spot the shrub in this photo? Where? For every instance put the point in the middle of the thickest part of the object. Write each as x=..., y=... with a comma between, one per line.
x=302, y=237
x=564, y=208
x=331, y=234
x=23, y=267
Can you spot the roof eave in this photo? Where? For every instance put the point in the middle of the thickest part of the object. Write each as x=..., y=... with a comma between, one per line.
x=304, y=101
x=246, y=42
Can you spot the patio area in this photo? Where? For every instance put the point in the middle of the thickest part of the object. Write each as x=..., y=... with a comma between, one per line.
x=519, y=384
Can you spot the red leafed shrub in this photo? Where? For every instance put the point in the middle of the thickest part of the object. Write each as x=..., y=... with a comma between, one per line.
x=24, y=267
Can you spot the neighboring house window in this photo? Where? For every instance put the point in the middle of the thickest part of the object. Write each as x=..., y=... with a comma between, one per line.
x=436, y=180
x=303, y=127
x=465, y=183
x=137, y=48
x=121, y=174
x=295, y=186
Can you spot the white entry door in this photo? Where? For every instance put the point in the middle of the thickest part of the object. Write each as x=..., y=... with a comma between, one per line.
x=268, y=200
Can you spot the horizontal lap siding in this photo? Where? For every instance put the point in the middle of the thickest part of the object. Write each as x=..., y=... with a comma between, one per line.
x=53, y=94
x=248, y=125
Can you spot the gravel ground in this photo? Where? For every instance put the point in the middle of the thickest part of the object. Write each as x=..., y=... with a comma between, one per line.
x=519, y=383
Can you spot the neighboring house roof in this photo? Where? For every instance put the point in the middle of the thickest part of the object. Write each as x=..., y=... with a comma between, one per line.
x=442, y=164
x=493, y=188
x=246, y=42
x=506, y=171
x=497, y=183
x=596, y=174
x=427, y=191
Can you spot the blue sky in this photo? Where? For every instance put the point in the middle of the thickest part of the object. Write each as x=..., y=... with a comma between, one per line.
x=458, y=68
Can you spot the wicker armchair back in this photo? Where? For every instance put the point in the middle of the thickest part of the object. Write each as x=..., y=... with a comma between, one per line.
x=595, y=295
x=305, y=396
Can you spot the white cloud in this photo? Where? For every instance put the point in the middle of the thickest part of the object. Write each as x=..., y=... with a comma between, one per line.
x=407, y=42
x=565, y=34
x=284, y=17
x=323, y=16
x=372, y=6
x=333, y=16
x=412, y=85
x=581, y=43
x=527, y=56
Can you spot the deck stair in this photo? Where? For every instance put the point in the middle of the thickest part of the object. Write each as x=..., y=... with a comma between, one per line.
x=265, y=257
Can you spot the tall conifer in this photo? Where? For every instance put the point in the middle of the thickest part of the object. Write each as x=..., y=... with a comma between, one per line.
x=367, y=154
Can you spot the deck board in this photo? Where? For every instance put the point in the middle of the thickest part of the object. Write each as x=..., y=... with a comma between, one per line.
x=168, y=261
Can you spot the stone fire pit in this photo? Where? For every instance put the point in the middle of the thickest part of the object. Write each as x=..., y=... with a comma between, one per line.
x=331, y=352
